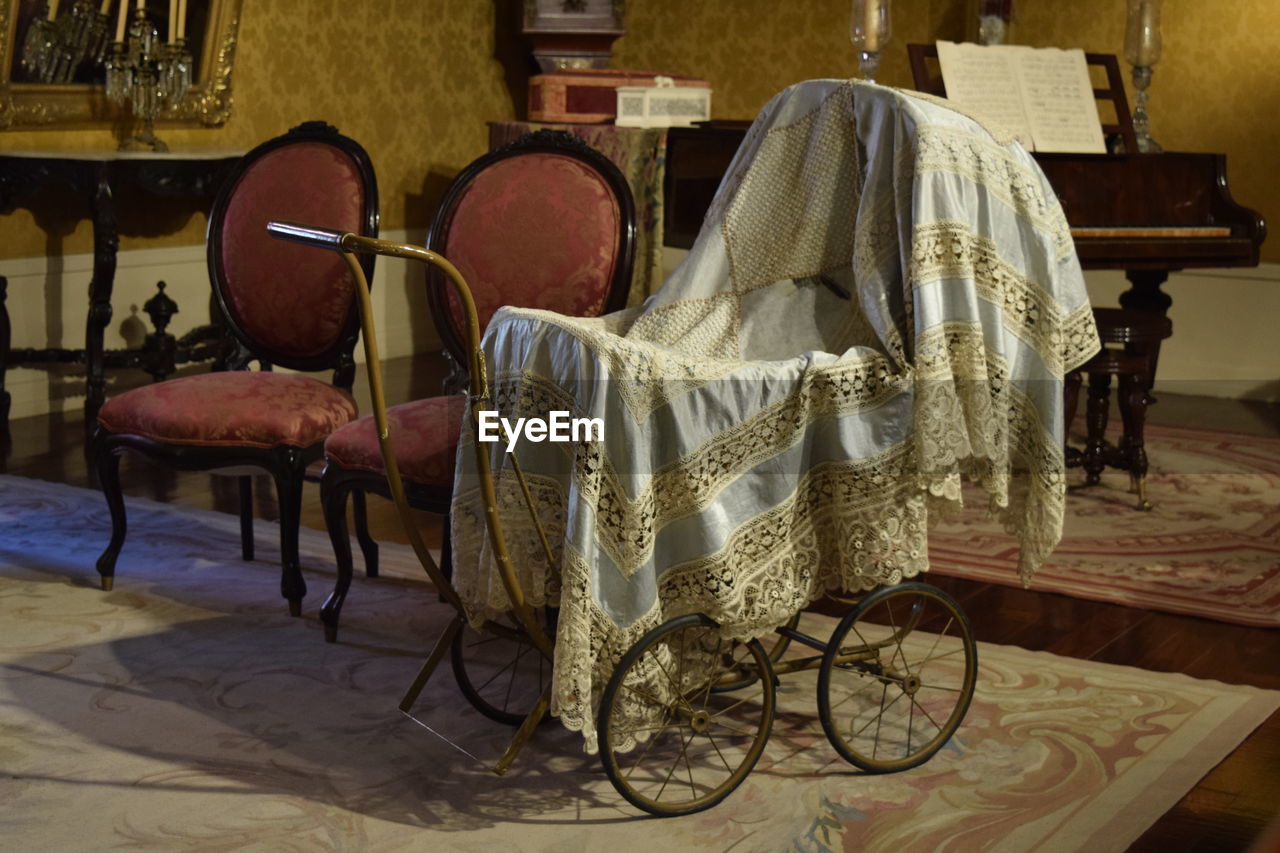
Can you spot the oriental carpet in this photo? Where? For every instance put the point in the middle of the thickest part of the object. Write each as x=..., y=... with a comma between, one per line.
x=186, y=709
x=1210, y=547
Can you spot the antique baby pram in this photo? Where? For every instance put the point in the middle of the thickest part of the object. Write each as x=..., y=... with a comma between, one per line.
x=925, y=276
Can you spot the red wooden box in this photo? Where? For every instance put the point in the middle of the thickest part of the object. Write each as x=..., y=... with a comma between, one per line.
x=587, y=96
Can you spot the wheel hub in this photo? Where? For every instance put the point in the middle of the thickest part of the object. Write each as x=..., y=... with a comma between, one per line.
x=699, y=721
x=911, y=684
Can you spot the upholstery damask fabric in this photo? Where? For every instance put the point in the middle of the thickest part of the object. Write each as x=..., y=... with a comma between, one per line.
x=883, y=300
x=559, y=225
x=640, y=154
x=251, y=408
x=426, y=440
x=293, y=299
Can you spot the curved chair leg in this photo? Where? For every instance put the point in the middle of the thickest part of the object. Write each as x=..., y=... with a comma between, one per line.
x=289, y=477
x=108, y=467
x=333, y=500
x=368, y=545
x=246, y=517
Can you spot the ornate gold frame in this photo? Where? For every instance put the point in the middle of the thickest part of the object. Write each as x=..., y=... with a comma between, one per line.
x=31, y=105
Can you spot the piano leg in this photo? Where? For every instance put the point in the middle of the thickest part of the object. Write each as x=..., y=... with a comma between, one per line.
x=1144, y=294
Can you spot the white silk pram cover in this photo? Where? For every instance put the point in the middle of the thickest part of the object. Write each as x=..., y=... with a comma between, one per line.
x=767, y=439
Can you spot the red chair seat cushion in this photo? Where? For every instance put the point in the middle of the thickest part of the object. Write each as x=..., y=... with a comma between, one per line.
x=424, y=434
x=236, y=408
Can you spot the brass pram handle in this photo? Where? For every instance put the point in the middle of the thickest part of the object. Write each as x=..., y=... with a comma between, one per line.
x=348, y=245
x=323, y=238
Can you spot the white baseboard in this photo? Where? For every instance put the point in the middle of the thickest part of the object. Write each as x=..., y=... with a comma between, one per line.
x=48, y=306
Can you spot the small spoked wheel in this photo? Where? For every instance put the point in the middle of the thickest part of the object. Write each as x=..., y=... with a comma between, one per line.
x=499, y=671
x=897, y=677
x=671, y=742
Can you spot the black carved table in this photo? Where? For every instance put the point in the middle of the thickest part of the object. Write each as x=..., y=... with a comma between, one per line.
x=101, y=179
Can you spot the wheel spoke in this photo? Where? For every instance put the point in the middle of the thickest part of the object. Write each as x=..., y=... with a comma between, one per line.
x=711, y=679
x=916, y=704
x=511, y=682
x=726, y=710
x=722, y=724
x=937, y=638
x=897, y=637
x=879, y=717
x=876, y=718
x=643, y=695
x=716, y=747
x=940, y=687
x=510, y=665
x=866, y=684
x=956, y=651
x=675, y=685
x=649, y=745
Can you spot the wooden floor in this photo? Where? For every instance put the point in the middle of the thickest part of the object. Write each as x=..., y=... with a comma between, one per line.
x=1227, y=810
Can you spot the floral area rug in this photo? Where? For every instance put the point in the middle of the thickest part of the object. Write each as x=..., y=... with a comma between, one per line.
x=1210, y=547
x=185, y=709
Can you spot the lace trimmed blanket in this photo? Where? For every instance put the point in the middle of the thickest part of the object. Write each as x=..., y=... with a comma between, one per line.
x=882, y=300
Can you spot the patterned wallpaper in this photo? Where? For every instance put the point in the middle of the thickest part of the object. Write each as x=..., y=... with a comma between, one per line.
x=416, y=80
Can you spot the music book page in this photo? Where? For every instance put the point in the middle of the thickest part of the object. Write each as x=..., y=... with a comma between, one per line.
x=1043, y=96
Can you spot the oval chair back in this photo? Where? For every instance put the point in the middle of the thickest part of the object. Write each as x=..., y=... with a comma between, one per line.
x=544, y=222
x=284, y=304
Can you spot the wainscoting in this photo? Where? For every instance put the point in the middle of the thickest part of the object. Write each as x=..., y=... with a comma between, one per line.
x=48, y=305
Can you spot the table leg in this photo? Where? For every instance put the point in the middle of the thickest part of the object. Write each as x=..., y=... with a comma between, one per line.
x=106, y=242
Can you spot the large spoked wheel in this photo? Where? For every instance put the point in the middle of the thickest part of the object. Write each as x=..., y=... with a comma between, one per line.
x=671, y=743
x=499, y=671
x=897, y=677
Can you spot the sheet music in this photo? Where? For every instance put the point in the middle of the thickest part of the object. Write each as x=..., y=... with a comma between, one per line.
x=1042, y=95
x=986, y=81
x=1059, y=101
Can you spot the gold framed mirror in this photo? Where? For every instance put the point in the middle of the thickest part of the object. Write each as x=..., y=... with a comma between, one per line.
x=211, y=27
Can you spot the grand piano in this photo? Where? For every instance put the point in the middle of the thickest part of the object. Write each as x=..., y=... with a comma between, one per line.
x=1145, y=214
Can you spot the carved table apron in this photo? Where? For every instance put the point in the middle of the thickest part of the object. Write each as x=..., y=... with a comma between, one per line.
x=97, y=176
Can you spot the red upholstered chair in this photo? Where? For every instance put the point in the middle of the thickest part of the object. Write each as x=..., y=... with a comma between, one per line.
x=285, y=305
x=545, y=222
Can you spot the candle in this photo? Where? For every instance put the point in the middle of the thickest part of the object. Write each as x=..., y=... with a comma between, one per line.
x=106, y=7
x=1146, y=45
x=1142, y=38
x=120, y=20
x=53, y=9
x=871, y=27
x=142, y=4
x=173, y=18
x=182, y=19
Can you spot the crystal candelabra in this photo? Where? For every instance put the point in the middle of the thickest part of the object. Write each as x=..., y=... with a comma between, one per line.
x=149, y=75
x=56, y=46
x=1142, y=48
x=869, y=32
